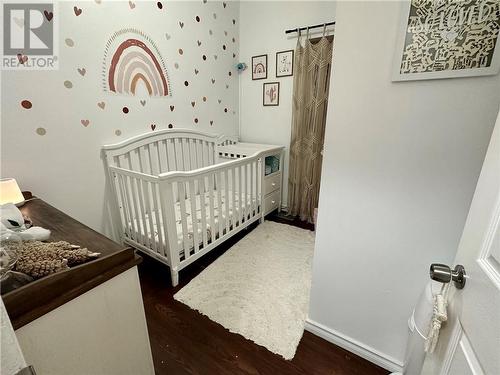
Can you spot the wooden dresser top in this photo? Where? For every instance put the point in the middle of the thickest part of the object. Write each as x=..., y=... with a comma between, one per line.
x=33, y=300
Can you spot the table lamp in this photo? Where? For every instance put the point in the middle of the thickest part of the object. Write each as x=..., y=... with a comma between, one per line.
x=10, y=192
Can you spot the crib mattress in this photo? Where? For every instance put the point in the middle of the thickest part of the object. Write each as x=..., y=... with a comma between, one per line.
x=144, y=226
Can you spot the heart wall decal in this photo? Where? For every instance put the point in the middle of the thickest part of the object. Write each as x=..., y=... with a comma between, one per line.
x=85, y=122
x=48, y=15
x=77, y=11
x=82, y=71
x=101, y=105
x=143, y=102
x=131, y=5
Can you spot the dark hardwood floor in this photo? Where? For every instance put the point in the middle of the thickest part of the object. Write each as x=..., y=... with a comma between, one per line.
x=185, y=342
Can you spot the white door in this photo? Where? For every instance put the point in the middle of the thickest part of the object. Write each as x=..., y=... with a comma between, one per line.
x=470, y=341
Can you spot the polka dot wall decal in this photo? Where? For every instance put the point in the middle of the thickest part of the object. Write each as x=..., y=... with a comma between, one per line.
x=211, y=122
x=220, y=101
x=69, y=42
x=186, y=83
x=195, y=120
x=225, y=32
x=224, y=4
x=224, y=47
x=215, y=16
x=176, y=65
x=125, y=110
x=41, y=131
x=68, y=84
x=204, y=57
x=210, y=32
x=215, y=57
x=118, y=132
x=159, y=5
x=181, y=51
x=234, y=21
x=198, y=19
x=170, y=126
x=234, y=40
x=234, y=55
x=204, y=98
x=26, y=104
x=225, y=110
x=230, y=74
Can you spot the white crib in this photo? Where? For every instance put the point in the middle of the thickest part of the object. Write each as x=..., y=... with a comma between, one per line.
x=175, y=201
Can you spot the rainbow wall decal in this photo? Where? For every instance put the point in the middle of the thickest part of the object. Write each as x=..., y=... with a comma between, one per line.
x=132, y=59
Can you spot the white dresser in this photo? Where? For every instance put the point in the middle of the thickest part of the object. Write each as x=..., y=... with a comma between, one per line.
x=272, y=173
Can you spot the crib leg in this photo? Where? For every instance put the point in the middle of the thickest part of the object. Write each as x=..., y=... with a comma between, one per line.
x=175, y=277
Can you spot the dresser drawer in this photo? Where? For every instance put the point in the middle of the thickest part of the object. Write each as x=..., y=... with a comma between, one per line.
x=272, y=183
x=271, y=201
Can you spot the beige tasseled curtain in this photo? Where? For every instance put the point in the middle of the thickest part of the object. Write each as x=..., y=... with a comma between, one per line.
x=310, y=100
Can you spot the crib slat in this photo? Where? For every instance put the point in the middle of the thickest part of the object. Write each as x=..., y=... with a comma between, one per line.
x=240, y=192
x=227, y=196
x=142, y=216
x=125, y=206
x=218, y=187
x=213, y=229
x=178, y=154
x=182, y=200
x=194, y=218
x=204, y=224
x=159, y=223
x=252, y=191
x=133, y=201
x=149, y=214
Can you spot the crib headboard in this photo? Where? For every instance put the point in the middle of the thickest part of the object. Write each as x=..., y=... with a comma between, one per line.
x=163, y=151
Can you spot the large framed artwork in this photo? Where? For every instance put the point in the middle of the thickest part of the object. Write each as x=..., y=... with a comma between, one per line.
x=446, y=39
x=259, y=67
x=271, y=94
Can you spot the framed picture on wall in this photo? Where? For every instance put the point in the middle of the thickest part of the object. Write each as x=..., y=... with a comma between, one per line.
x=284, y=63
x=271, y=94
x=455, y=39
x=259, y=67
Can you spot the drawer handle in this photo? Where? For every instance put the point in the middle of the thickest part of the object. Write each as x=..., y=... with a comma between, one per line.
x=273, y=184
x=273, y=202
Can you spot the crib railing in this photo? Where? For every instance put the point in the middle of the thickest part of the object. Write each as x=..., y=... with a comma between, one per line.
x=208, y=204
x=222, y=199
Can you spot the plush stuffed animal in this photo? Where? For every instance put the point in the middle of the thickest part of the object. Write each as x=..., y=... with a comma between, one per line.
x=11, y=220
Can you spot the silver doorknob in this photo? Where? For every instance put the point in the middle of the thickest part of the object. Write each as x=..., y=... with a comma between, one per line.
x=444, y=274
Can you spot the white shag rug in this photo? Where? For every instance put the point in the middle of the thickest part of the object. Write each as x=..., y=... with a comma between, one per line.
x=260, y=287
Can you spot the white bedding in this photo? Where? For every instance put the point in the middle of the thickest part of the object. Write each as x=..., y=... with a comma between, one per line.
x=144, y=226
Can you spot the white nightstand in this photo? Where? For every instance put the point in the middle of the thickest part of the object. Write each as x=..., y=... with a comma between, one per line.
x=272, y=171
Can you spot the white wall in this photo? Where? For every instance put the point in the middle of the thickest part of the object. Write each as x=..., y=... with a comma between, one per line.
x=400, y=167
x=262, y=31
x=63, y=166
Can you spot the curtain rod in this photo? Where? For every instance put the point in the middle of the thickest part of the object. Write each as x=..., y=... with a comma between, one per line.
x=309, y=27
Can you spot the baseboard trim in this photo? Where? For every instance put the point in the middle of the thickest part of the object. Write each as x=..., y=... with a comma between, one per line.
x=348, y=343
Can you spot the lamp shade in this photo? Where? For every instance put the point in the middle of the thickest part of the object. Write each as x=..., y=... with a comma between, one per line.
x=10, y=192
